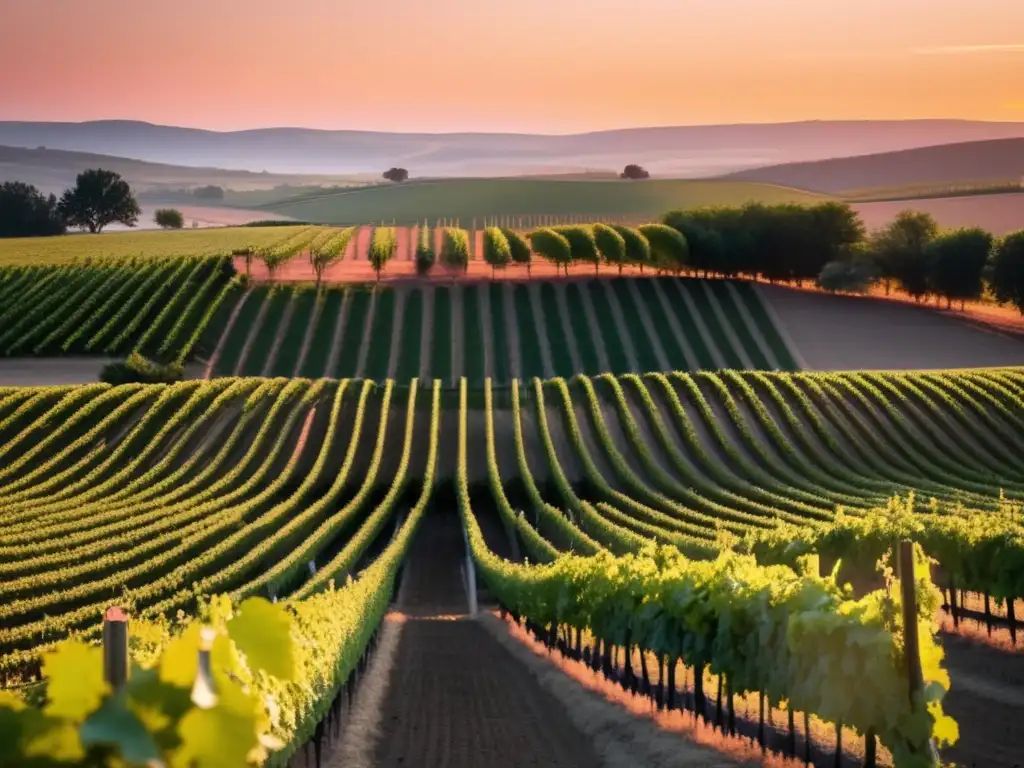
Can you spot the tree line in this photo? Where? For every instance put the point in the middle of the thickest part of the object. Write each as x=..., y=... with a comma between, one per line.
x=829, y=245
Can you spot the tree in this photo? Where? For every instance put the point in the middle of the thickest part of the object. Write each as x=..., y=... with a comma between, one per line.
x=581, y=241
x=633, y=171
x=956, y=263
x=611, y=244
x=668, y=246
x=329, y=252
x=900, y=249
x=25, y=212
x=397, y=175
x=1007, y=270
x=272, y=258
x=552, y=246
x=497, y=252
x=210, y=192
x=425, y=256
x=638, y=250
x=169, y=218
x=455, y=248
x=99, y=198
x=519, y=248
x=382, y=248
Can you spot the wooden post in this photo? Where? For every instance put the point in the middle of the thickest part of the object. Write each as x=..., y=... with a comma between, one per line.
x=911, y=640
x=115, y=647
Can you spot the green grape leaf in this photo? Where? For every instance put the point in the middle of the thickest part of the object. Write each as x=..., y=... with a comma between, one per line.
x=50, y=738
x=115, y=725
x=215, y=738
x=262, y=631
x=76, y=685
x=158, y=705
x=180, y=661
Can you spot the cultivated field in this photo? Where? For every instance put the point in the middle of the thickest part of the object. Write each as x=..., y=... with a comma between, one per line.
x=155, y=495
x=147, y=244
x=998, y=214
x=499, y=331
x=654, y=476
x=466, y=199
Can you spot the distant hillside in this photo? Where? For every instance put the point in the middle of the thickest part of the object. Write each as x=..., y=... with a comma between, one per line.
x=52, y=170
x=468, y=199
x=687, y=151
x=999, y=160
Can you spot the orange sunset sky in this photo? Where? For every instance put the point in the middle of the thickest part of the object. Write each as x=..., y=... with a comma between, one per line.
x=554, y=66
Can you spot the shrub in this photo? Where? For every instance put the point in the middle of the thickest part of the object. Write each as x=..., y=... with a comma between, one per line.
x=137, y=369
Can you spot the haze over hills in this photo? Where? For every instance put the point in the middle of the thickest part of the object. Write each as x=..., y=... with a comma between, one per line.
x=975, y=161
x=52, y=170
x=685, y=151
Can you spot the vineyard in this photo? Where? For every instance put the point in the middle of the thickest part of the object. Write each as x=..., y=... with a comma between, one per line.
x=158, y=496
x=499, y=331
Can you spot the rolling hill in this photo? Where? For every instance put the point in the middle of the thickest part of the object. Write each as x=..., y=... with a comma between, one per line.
x=54, y=169
x=466, y=199
x=680, y=151
x=998, y=160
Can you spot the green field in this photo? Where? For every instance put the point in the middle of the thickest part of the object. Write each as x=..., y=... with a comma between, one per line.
x=642, y=324
x=466, y=199
x=148, y=244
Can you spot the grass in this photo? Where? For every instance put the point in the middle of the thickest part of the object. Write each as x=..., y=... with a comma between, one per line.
x=409, y=354
x=466, y=199
x=771, y=334
x=645, y=353
x=352, y=334
x=291, y=345
x=473, y=327
x=500, y=346
x=933, y=190
x=529, y=336
x=263, y=342
x=441, y=361
x=614, y=337
x=561, y=357
x=715, y=328
x=240, y=332
x=687, y=322
x=674, y=352
x=725, y=297
x=142, y=244
x=315, y=364
x=379, y=353
x=590, y=362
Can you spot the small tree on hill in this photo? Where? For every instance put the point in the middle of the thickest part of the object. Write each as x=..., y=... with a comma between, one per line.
x=956, y=263
x=497, y=252
x=638, y=250
x=633, y=171
x=1006, y=272
x=668, y=246
x=169, y=218
x=519, y=248
x=99, y=198
x=552, y=246
x=397, y=175
x=611, y=245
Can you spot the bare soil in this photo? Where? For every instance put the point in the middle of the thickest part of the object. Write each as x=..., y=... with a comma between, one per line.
x=457, y=697
x=986, y=698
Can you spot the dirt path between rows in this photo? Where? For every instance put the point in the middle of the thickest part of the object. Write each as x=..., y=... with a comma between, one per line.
x=222, y=341
x=456, y=696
